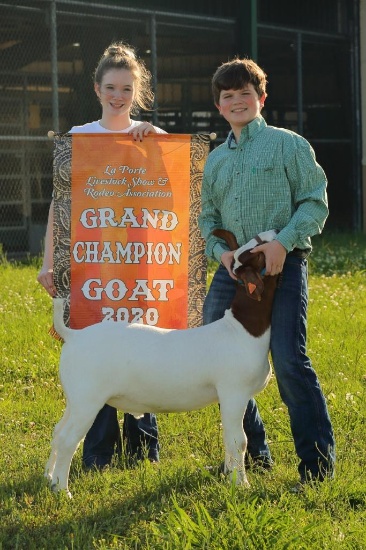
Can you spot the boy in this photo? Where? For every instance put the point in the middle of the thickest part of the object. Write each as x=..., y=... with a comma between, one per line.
x=265, y=178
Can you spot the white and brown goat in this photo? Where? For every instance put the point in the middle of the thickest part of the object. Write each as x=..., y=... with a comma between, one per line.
x=141, y=368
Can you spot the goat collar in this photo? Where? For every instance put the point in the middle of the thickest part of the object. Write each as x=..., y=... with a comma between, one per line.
x=258, y=239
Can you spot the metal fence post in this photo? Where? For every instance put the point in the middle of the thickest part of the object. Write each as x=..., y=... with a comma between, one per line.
x=300, y=106
x=154, y=67
x=54, y=67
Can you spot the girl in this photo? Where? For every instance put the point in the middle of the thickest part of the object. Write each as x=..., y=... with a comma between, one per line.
x=122, y=85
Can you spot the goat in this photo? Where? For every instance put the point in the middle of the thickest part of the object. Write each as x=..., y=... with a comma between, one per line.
x=141, y=368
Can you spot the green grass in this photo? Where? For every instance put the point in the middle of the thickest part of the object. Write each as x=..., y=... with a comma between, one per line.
x=179, y=504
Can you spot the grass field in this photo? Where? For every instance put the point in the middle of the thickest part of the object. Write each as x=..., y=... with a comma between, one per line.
x=179, y=504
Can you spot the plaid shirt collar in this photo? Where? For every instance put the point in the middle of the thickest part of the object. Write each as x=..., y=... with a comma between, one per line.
x=249, y=131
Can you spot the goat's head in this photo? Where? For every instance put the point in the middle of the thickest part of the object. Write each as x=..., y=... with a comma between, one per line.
x=249, y=268
x=250, y=272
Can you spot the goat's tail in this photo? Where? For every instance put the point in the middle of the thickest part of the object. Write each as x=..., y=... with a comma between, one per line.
x=58, y=319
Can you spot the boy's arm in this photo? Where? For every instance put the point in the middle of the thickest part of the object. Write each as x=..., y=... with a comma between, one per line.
x=208, y=220
x=308, y=184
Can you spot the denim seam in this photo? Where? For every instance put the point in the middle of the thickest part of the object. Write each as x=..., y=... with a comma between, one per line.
x=300, y=363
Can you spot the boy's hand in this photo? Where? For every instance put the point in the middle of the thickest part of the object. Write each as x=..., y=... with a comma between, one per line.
x=275, y=254
x=227, y=260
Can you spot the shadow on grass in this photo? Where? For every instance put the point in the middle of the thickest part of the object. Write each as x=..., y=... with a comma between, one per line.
x=76, y=523
x=116, y=509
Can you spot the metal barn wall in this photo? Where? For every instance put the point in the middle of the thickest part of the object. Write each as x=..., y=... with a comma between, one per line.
x=363, y=102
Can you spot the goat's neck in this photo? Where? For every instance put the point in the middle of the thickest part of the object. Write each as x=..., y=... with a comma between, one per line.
x=253, y=315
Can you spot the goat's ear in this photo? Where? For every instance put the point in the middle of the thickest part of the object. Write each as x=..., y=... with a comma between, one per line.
x=253, y=283
x=228, y=237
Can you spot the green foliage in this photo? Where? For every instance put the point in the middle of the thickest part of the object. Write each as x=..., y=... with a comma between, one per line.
x=338, y=254
x=181, y=503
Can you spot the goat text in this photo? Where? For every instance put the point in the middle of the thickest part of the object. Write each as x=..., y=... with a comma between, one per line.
x=116, y=289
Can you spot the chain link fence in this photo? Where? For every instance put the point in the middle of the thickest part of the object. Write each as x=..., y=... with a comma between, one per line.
x=48, y=52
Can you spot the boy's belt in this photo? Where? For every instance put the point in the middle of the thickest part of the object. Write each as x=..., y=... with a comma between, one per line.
x=299, y=253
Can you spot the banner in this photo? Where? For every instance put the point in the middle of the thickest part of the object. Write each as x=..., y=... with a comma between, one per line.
x=126, y=240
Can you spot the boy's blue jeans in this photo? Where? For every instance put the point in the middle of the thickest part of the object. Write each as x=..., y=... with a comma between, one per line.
x=297, y=381
x=103, y=439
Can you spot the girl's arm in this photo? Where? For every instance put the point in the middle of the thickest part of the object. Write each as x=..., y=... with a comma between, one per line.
x=45, y=276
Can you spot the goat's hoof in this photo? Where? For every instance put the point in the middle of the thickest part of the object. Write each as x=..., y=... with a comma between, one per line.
x=240, y=482
x=238, y=478
x=56, y=489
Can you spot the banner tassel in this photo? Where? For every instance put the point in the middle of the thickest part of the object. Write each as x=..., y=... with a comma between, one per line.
x=53, y=332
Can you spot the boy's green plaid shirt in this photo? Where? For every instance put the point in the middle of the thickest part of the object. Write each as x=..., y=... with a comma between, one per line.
x=268, y=180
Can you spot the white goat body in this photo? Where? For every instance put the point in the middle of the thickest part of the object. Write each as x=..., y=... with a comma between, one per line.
x=158, y=370
x=141, y=368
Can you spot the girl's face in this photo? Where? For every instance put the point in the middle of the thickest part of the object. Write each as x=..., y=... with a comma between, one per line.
x=239, y=107
x=116, y=92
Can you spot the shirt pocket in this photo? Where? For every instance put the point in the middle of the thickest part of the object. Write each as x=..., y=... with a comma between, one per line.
x=262, y=169
x=268, y=183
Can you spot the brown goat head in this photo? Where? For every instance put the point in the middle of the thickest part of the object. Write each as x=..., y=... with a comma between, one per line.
x=249, y=268
x=249, y=273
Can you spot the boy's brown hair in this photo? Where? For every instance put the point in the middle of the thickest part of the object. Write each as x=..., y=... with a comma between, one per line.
x=237, y=73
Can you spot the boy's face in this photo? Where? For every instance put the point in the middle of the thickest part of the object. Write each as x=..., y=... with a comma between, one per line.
x=239, y=107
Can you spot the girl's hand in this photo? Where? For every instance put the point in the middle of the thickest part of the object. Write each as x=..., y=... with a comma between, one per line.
x=45, y=278
x=142, y=130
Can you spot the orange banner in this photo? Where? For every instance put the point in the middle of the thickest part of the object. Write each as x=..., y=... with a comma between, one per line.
x=130, y=204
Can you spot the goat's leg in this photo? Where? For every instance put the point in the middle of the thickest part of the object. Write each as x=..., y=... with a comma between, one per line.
x=72, y=430
x=54, y=446
x=232, y=408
